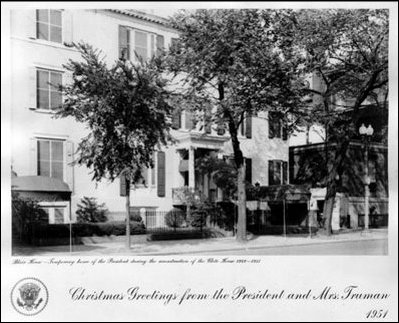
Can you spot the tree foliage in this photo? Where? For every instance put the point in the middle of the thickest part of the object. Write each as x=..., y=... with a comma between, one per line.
x=125, y=109
x=89, y=211
x=348, y=50
x=231, y=66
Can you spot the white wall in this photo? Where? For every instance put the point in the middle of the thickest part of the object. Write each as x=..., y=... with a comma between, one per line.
x=100, y=29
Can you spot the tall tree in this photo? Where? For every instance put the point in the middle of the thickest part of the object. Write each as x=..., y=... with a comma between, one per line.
x=125, y=108
x=232, y=66
x=348, y=50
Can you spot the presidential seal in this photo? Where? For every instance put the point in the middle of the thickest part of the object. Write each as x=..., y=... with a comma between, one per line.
x=29, y=296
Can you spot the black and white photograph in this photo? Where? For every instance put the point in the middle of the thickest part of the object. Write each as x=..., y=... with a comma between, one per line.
x=185, y=133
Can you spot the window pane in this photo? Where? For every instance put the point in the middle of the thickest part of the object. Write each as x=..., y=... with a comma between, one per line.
x=144, y=174
x=123, y=36
x=43, y=168
x=141, y=44
x=42, y=31
x=56, y=99
x=55, y=34
x=43, y=158
x=141, y=39
x=141, y=52
x=277, y=173
x=57, y=169
x=55, y=17
x=43, y=149
x=57, y=148
x=124, y=52
x=42, y=99
x=42, y=15
x=55, y=80
x=42, y=79
x=58, y=215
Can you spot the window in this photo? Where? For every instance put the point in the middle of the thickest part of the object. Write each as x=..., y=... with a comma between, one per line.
x=245, y=128
x=58, y=215
x=176, y=119
x=57, y=212
x=276, y=127
x=278, y=172
x=143, y=181
x=148, y=174
x=144, y=44
x=124, y=43
x=49, y=25
x=48, y=95
x=248, y=170
x=50, y=158
x=141, y=44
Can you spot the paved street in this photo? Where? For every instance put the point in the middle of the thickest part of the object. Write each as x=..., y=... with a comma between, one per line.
x=367, y=247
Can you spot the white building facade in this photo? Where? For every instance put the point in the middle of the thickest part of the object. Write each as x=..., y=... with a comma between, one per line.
x=44, y=146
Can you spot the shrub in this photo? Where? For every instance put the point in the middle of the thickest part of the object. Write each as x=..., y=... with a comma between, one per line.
x=198, y=218
x=135, y=216
x=47, y=232
x=25, y=214
x=175, y=218
x=89, y=211
x=224, y=216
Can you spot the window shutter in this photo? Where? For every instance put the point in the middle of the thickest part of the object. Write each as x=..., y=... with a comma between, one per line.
x=161, y=174
x=32, y=104
x=285, y=134
x=248, y=126
x=248, y=170
x=285, y=172
x=271, y=125
x=33, y=156
x=189, y=120
x=160, y=44
x=271, y=172
x=67, y=26
x=69, y=178
x=176, y=119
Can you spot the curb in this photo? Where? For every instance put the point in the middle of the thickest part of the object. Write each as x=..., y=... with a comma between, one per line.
x=256, y=247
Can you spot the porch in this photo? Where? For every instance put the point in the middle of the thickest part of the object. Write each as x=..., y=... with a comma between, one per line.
x=193, y=184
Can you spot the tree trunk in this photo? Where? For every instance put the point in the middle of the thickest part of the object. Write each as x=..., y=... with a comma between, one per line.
x=242, y=202
x=127, y=215
x=239, y=160
x=329, y=207
x=334, y=174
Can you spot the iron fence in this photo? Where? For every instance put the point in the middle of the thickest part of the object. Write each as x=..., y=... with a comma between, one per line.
x=174, y=221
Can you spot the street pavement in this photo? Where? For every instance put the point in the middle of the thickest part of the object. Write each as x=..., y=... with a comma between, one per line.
x=359, y=247
x=374, y=242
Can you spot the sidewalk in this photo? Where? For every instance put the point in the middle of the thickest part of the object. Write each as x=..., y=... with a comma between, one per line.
x=141, y=247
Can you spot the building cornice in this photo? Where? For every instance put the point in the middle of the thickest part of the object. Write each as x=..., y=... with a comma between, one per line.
x=143, y=16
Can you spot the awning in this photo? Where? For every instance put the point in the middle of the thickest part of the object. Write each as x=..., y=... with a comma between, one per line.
x=38, y=184
x=279, y=193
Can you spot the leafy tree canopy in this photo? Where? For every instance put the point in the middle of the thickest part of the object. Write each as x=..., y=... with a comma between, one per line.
x=125, y=107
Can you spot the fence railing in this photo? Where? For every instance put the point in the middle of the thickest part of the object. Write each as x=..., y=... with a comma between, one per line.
x=174, y=221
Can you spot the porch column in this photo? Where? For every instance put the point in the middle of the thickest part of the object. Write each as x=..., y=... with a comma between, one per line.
x=191, y=168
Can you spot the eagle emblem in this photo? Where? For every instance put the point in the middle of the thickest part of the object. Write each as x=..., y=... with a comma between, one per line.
x=29, y=292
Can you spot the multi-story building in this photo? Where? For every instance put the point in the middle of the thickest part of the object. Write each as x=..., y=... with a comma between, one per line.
x=310, y=155
x=43, y=147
